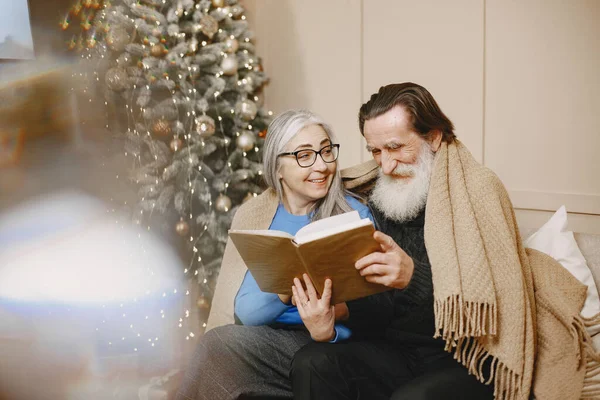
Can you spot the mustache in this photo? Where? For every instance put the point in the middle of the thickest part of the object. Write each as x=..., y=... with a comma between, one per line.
x=405, y=170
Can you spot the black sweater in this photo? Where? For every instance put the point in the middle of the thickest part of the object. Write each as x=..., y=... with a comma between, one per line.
x=402, y=315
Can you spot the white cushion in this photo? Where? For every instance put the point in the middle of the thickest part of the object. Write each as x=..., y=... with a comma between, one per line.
x=554, y=239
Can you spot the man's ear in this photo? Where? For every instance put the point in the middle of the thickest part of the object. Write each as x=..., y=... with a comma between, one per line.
x=436, y=140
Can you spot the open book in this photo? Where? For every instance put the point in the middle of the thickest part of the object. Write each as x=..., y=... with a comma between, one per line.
x=327, y=248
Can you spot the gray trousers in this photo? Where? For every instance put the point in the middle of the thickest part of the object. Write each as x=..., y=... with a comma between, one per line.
x=234, y=360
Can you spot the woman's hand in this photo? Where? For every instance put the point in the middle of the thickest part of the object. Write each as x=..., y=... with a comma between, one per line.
x=317, y=314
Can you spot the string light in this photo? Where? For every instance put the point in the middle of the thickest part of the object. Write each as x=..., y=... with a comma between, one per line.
x=136, y=118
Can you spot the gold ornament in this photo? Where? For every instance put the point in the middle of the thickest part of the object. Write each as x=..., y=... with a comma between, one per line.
x=231, y=45
x=246, y=109
x=161, y=127
x=229, y=65
x=176, y=144
x=218, y=3
x=116, y=79
x=158, y=50
x=208, y=25
x=245, y=141
x=203, y=303
x=262, y=134
x=182, y=228
x=223, y=203
x=205, y=126
x=117, y=38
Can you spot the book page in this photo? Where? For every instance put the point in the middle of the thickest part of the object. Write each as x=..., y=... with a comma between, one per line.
x=312, y=236
x=328, y=223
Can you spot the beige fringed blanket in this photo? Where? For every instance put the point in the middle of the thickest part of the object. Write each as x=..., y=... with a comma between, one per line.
x=495, y=302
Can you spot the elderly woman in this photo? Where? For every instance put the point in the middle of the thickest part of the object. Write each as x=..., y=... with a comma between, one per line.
x=253, y=357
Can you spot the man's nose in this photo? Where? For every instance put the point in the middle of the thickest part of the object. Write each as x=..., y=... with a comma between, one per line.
x=388, y=164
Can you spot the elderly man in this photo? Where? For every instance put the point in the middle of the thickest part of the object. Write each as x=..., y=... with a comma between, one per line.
x=471, y=313
x=394, y=354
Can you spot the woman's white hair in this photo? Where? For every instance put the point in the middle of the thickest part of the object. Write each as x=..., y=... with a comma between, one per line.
x=281, y=130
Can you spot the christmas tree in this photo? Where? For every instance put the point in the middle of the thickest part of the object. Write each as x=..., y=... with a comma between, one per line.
x=182, y=89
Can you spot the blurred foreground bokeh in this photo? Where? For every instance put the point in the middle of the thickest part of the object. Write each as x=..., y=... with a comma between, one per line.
x=91, y=305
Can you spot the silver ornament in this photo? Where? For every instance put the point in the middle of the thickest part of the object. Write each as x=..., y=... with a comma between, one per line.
x=117, y=38
x=205, y=126
x=116, y=79
x=246, y=109
x=231, y=45
x=245, y=141
x=223, y=203
x=229, y=65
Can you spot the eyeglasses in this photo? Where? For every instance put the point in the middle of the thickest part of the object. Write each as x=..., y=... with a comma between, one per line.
x=308, y=157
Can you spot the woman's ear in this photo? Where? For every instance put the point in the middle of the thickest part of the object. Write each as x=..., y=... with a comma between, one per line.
x=436, y=140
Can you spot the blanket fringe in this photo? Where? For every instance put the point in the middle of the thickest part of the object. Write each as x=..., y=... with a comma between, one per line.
x=591, y=381
x=473, y=355
x=456, y=318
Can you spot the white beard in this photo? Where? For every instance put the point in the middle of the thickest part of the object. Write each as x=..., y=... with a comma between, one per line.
x=403, y=199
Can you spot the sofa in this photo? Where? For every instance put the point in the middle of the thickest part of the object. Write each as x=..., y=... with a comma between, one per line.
x=589, y=244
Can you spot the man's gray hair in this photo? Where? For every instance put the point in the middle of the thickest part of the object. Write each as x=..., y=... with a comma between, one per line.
x=281, y=130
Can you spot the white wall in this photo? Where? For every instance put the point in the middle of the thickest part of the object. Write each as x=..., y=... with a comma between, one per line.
x=519, y=79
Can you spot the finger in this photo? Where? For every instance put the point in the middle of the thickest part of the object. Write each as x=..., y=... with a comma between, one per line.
x=380, y=279
x=301, y=295
x=300, y=305
x=293, y=298
x=312, y=293
x=373, y=258
x=375, y=269
x=385, y=241
x=326, y=297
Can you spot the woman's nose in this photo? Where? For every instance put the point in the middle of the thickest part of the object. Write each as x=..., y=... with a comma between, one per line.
x=319, y=164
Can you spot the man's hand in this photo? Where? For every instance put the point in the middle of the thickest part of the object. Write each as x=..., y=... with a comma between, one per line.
x=391, y=267
x=317, y=314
